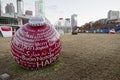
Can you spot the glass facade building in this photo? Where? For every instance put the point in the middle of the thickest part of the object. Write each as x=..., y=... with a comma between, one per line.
x=113, y=15
x=0, y=8
x=20, y=7
x=10, y=9
x=39, y=7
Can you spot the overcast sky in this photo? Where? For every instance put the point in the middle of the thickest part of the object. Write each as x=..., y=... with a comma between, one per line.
x=87, y=10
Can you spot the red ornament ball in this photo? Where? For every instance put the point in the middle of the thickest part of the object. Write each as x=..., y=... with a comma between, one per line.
x=36, y=45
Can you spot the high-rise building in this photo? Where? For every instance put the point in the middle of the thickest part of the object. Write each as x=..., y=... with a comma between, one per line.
x=7, y=8
x=67, y=22
x=28, y=12
x=20, y=7
x=63, y=26
x=113, y=15
x=10, y=8
x=74, y=20
x=0, y=8
x=39, y=7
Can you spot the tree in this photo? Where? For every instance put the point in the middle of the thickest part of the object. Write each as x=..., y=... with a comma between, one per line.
x=87, y=26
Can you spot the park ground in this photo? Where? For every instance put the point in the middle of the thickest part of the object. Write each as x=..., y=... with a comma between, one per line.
x=83, y=57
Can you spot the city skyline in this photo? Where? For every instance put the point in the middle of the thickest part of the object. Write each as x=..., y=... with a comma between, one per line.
x=86, y=10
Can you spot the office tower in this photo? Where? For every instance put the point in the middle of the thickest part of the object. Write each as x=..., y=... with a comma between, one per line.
x=74, y=20
x=0, y=8
x=39, y=7
x=113, y=15
x=20, y=7
x=10, y=9
x=67, y=22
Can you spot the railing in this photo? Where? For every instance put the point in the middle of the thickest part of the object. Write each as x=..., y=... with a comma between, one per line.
x=10, y=25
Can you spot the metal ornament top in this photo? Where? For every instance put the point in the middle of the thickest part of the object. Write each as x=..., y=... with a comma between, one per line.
x=37, y=21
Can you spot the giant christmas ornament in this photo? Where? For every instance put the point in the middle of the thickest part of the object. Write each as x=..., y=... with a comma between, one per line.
x=36, y=44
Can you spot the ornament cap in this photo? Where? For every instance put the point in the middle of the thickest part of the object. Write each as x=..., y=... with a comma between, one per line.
x=37, y=21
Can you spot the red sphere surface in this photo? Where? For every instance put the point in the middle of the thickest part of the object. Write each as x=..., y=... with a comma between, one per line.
x=35, y=47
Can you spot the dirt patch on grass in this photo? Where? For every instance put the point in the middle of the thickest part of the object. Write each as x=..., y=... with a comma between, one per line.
x=83, y=57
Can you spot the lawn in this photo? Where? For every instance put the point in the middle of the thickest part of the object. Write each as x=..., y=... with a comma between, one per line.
x=83, y=57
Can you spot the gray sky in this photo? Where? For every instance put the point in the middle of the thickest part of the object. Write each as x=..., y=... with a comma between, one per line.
x=87, y=10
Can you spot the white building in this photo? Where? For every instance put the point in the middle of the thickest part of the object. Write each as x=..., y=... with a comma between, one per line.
x=113, y=15
x=20, y=7
x=67, y=22
x=63, y=26
x=0, y=8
